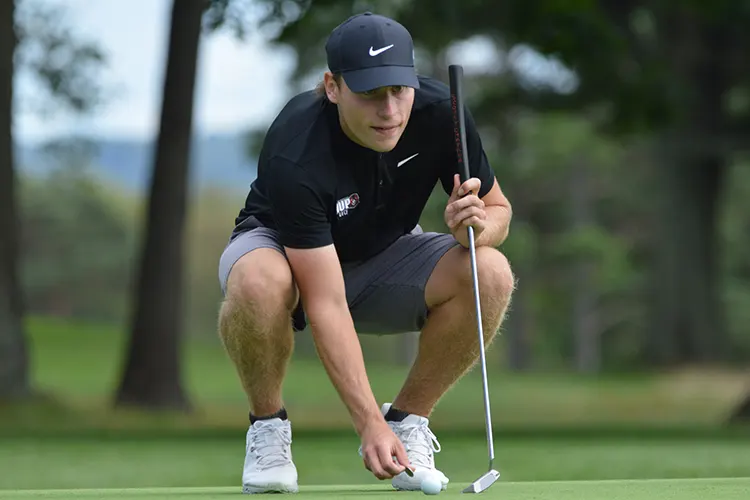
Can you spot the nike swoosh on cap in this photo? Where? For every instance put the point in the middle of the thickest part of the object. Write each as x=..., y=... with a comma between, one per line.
x=376, y=52
x=406, y=159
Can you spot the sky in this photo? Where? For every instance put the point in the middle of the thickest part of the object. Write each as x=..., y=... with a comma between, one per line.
x=239, y=84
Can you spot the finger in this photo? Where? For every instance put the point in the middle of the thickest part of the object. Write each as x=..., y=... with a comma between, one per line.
x=456, y=187
x=467, y=213
x=402, y=457
x=373, y=461
x=365, y=461
x=453, y=209
x=475, y=222
x=467, y=201
x=470, y=186
x=386, y=459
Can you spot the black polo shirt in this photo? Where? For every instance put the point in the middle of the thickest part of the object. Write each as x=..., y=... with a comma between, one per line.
x=317, y=187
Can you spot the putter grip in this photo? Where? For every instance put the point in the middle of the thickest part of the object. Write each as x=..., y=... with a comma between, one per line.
x=455, y=75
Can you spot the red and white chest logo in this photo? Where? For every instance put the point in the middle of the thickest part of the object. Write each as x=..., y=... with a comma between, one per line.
x=346, y=203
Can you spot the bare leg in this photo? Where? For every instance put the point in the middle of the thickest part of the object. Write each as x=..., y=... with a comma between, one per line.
x=255, y=326
x=448, y=344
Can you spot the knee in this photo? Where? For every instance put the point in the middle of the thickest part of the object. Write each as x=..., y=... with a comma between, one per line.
x=261, y=283
x=496, y=279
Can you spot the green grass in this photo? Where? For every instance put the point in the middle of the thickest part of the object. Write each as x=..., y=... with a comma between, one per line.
x=200, y=460
x=557, y=436
x=80, y=364
x=715, y=489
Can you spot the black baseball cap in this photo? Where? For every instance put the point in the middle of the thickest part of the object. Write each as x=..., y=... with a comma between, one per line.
x=372, y=51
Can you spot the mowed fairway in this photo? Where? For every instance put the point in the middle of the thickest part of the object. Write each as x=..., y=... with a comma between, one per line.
x=682, y=489
x=551, y=465
x=556, y=436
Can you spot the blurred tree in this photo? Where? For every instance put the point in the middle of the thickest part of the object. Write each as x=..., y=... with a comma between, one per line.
x=35, y=40
x=741, y=415
x=151, y=375
x=14, y=362
x=653, y=68
x=78, y=266
x=64, y=66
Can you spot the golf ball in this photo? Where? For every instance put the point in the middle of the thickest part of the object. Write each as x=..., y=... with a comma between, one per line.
x=431, y=485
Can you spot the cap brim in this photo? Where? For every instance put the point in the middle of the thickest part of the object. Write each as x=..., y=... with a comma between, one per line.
x=363, y=80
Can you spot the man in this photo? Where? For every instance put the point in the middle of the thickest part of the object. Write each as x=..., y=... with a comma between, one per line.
x=329, y=237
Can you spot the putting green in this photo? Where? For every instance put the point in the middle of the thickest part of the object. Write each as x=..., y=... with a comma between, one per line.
x=664, y=489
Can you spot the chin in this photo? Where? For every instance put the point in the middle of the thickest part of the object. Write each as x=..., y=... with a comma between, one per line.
x=383, y=145
x=384, y=148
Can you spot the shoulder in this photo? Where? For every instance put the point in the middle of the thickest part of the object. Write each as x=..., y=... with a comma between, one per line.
x=432, y=95
x=300, y=132
x=432, y=105
x=431, y=117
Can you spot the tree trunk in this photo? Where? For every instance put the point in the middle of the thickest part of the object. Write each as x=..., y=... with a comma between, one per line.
x=688, y=321
x=585, y=319
x=688, y=316
x=742, y=414
x=14, y=362
x=152, y=374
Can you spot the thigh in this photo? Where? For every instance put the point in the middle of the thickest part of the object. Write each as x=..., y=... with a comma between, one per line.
x=243, y=244
x=239, y=250
x=386, y=294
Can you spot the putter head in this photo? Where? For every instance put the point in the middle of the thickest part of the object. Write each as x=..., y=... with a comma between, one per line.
x=484, y=482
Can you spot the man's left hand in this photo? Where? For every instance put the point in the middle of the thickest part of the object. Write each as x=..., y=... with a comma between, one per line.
x=465, y=209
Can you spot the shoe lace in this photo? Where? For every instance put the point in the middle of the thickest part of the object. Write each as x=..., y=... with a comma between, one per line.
x=420, y=443
x=271, y=444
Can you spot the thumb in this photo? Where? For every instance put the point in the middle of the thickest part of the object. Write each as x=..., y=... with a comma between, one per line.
x=456, y=186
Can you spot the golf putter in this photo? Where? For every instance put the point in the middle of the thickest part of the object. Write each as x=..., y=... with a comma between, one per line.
x=455, y=73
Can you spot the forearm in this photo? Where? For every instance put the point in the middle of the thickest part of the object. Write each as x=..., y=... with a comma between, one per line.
x=341, y=354
x=497, y=226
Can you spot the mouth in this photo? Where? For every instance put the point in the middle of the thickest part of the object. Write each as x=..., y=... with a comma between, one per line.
x=387, y=131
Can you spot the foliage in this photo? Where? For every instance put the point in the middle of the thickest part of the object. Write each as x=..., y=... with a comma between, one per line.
x=75, y=246
x=65, y=65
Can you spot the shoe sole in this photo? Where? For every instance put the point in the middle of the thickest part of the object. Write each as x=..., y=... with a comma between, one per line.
x=251, y=490
x=401, y=488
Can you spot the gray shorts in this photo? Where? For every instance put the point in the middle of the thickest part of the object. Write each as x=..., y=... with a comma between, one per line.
x=386, y=294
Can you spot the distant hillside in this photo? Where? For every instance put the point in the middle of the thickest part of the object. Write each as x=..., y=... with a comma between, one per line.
x=219, y=160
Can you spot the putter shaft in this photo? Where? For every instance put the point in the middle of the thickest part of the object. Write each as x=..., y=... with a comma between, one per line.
x=483, y=360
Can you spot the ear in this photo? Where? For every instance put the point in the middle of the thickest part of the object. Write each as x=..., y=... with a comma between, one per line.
x=331, y=87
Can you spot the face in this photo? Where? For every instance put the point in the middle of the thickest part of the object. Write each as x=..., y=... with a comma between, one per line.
x=374, y=119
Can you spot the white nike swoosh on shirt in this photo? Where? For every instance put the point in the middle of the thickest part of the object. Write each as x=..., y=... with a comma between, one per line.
x=376, y=52
x=406, y=159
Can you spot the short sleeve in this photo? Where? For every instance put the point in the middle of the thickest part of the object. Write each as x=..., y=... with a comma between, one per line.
x=479, y=165
x=297, y=206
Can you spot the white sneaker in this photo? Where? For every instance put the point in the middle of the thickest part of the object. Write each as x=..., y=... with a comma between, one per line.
x=420, y=444
x=268, y=458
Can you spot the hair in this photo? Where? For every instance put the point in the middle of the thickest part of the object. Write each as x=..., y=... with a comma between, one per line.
x=320, y=88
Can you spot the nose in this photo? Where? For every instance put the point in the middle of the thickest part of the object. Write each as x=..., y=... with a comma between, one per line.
x=387, y=106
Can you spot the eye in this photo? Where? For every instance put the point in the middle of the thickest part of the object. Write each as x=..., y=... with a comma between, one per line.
x=397, y=89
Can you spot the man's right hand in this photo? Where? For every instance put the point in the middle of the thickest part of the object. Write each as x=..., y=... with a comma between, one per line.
x=379, y=447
